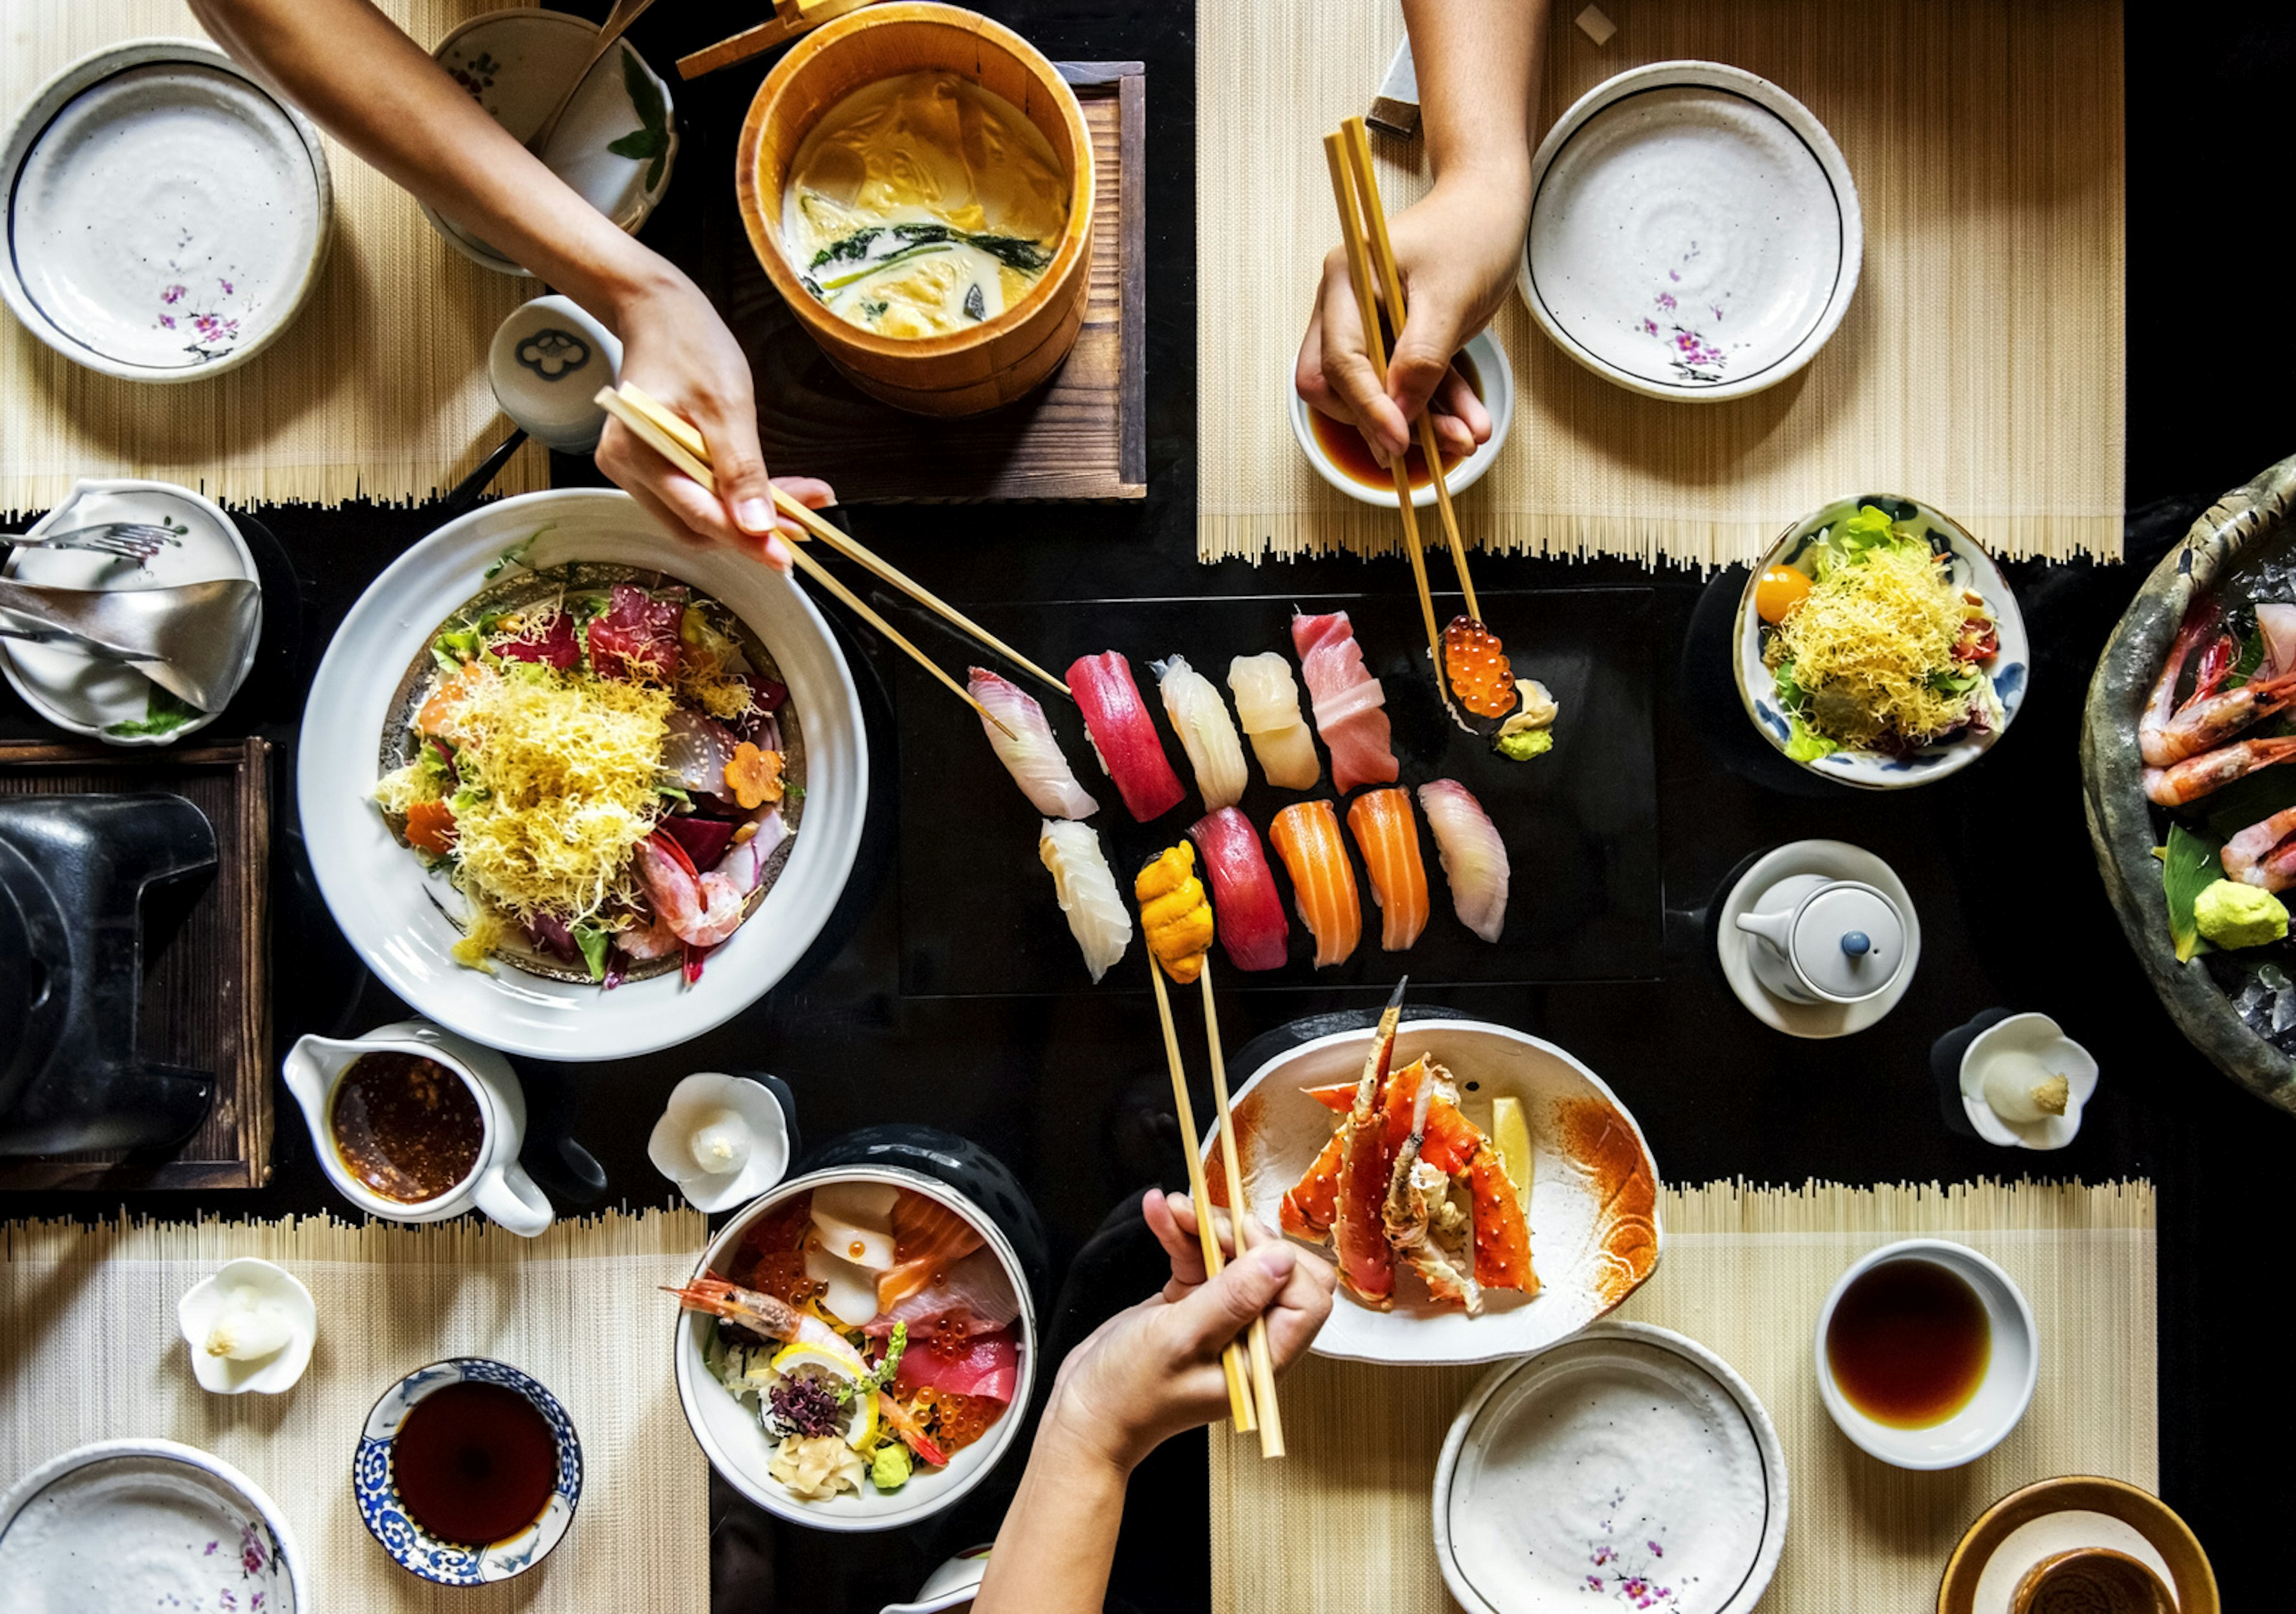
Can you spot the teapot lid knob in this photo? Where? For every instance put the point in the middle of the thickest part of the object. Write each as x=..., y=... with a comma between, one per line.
x=1856, y=942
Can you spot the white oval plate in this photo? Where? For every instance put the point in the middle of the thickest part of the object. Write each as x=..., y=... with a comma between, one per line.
x=1594, y=1232
x=1694, y=232
x=728, y=1431
x=1973, y=569
x=378, y=891
x=1630, y=1462
x=167, y=214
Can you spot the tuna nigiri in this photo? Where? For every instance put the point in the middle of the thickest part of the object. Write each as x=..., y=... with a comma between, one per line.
x=1474, y=858
x=1175, y=916
x=1307, y=837
x=1387, y=833
x=1206, y=733
x=1124, y=735
x=1268, y=706
x=1029, y=753
x=1087, y=888
x=1347, y=702
x=1252, y=927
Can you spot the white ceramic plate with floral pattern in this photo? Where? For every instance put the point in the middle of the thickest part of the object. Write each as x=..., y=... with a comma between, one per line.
x=167, y=215
x=1694, y=232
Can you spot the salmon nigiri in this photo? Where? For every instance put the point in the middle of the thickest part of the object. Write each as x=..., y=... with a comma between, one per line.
x=1307, y=837
x=1387, y=833
x=928, y=1238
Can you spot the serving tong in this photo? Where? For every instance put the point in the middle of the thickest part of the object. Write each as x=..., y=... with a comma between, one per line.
x=188, y=639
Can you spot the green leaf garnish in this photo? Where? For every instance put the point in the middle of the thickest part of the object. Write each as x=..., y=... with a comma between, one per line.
x=594, y=943
x=163, y=714
x=652, y=139
x=2189, y=865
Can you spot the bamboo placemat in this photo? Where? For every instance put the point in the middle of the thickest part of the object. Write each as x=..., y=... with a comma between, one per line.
x=89, y=1350
x=377, y=391
x=1344, y=1522
x=1981, y=366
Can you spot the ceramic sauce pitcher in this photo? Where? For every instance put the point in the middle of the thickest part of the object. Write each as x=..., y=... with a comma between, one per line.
x=496, y=1186
x=1825, y=941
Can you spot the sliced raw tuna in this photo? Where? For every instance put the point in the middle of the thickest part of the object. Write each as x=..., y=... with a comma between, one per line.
x=989, y=1365
x=556, y=648
x=704, y=838
x=637, y=637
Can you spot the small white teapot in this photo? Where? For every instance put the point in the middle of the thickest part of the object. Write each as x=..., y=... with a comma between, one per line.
x=1825, y=941
x=496, y=1184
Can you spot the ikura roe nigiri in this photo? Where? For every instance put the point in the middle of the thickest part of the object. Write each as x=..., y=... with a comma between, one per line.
x=1206, y=733
x=1268, y=706
x=1307, y=837
x=1387, y=834
x=1029, y=753
x=1474, y=858
x=1175, y=917
x=1124, y=735
x=1252, y=927
x=1347, y=702
x=1087, y=888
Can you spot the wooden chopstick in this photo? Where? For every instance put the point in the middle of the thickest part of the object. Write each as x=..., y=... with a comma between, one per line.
x=842, y=542
x=1239, y=1387
x=1358, y=146
x=789, y=20
x=666, y=444
x=1343, y=193
x=1263, y=1358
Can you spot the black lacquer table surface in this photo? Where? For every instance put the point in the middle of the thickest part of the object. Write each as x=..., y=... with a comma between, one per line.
x=1062, y=1081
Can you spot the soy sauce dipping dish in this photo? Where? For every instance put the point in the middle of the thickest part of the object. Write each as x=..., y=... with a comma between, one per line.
x=1491, y=368
x=2012, y=1367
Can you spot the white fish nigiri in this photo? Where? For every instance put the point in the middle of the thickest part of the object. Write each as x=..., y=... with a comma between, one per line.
x=1206, y=733
x=1474, y=858
x=1030, y=754
x=1098, y=917
x=1267, y=706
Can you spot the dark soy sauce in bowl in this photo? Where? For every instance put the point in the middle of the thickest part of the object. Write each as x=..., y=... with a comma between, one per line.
x=1909, y=1343
x=1345, y=448
x=474, y=1463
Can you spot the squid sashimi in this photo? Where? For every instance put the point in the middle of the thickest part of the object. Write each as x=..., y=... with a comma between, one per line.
x=1251, y=926
x=1029, y=753
x=1474, y=858
x=1124, y=735
x=1087, y=892
x=1307, y=837
x=1206, y=733
x=1268, y=706
x=1387, y=834
x=1347, y=702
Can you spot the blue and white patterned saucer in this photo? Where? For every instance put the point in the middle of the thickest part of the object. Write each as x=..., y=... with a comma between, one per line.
x=375, y=1483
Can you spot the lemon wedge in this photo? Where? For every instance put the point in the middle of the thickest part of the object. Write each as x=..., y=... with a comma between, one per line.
x=792, y=1359
x=1512, y=1137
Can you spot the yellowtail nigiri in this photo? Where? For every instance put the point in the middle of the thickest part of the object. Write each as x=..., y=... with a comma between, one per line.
x=1206, y=733
x=1474, y=858
x=1030, y=753
x=1267, y=706
x=1086, y=887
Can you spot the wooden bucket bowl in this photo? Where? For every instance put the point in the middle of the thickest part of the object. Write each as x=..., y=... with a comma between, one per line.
x=1000, y=359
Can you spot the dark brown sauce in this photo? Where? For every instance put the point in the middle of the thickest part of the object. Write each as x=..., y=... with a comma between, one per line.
x=1346, y=449
x=407, y=1127
x=1909, y=1343
x=474, y=1463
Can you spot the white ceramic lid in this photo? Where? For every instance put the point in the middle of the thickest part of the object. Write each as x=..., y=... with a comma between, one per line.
x=1849, y=941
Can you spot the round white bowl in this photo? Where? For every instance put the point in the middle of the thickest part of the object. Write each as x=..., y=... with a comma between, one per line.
x=727, y=1430
x=152, y=211
x=390, y=909
x=1973, y=569
x=2011, y=1370
x=1490, y=362
x=1694, y=232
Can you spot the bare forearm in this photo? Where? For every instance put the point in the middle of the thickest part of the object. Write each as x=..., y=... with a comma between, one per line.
x=1059, y=1536
x=1478, y=63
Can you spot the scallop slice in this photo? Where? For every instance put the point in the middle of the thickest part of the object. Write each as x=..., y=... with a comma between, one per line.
x=851, y=1294
x=870, y=1248
x=865, y=1204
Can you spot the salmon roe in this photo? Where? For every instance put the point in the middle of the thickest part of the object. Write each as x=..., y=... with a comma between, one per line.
x=1476, y=664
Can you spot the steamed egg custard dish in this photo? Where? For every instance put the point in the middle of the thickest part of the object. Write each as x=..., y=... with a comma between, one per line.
x=922, y=205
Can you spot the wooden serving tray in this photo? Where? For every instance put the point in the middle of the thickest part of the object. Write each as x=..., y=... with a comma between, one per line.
x=206, y=1001
x=1082, y=437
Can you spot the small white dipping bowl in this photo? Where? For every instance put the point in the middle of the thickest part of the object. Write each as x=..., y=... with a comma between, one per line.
x=2010, y=1370
x=1490, y=362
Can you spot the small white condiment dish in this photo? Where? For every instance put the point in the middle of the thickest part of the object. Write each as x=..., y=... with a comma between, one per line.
x=2011, y=1368
x=1491, y=368
x=950, y=1587
x=546, y=363
x=270, y=1286
x=722, y=1139
x=2028, y=1043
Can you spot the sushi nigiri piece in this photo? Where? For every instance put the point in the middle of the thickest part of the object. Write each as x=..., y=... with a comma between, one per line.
x=1347, y=700
x=1029, y=753
x=1267, y=706
x=1124, y=735
x=1088, y=892
x=1387, y=834
x=1206, y=733
x=1307, y=837
x=1474, y=858
x=1175, y=916
x=1252, y=927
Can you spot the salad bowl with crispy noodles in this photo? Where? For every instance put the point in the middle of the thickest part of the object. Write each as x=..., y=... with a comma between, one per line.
x=553, y=770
